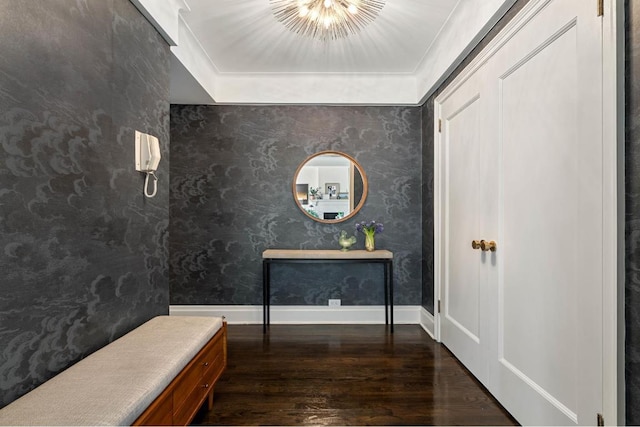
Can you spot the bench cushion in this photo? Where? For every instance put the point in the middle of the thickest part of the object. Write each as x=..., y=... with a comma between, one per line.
x=114, y=385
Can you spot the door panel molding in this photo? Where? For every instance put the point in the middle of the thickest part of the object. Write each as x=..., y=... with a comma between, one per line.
x=539, y=211
x=544, y=45
x=463, y=322
x=541, y=391
x=460, y=140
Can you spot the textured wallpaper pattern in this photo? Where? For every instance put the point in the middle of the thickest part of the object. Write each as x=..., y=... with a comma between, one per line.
x=427, y=206
x=632, y=213
x=231, y=177
x=84, y=255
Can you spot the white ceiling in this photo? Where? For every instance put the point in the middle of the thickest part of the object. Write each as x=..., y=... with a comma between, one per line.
x=243, y=36
x=235, y=51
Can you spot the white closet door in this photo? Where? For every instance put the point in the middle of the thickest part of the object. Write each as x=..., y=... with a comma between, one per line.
x=463, y=324
x=547, y=96
x=520, y=162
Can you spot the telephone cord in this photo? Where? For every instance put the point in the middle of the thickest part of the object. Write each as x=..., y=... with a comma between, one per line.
x=146, y=184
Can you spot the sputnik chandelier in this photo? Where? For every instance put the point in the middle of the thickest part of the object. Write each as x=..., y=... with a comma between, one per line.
x=326, y=19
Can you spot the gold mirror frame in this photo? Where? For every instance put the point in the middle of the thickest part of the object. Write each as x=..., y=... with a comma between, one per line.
x=356, y=209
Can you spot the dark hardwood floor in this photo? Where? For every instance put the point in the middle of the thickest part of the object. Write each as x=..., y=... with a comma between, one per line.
x=346, y=375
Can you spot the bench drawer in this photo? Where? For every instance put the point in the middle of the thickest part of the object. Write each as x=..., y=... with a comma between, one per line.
x=189, y=380
x=183, y=414
x=212, y=359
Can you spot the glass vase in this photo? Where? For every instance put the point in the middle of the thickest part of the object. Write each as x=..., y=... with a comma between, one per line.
x=370, y=242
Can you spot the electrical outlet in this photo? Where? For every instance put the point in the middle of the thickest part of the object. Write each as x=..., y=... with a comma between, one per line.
x=334, y=303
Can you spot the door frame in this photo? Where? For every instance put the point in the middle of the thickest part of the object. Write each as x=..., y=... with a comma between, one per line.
x=613, y=191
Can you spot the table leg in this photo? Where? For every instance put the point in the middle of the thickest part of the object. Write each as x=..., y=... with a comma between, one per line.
x=391, y=292
x=268, y=294
x=265, y=295
x=386, y=292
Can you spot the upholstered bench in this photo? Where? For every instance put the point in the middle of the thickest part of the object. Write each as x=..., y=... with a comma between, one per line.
x=158, y=374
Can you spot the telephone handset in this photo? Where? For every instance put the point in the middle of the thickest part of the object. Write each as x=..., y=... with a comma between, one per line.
x=147, y=159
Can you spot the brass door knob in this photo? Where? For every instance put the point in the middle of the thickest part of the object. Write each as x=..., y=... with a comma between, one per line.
x=475, y=244
x=488, y=246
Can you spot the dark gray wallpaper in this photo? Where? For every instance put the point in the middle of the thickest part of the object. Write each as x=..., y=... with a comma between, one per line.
x=231, y=176
x=632, y=212
x=427, y=207
x=84, y=255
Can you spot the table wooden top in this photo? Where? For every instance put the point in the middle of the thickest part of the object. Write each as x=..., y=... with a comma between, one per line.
x=325, y=254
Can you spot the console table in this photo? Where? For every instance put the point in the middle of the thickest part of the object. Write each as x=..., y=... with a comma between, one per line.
x=285, y=256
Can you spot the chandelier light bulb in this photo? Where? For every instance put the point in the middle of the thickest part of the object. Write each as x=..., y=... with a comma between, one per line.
x=326, y=19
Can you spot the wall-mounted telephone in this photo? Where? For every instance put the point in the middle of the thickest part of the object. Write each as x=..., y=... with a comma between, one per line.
x=147, y=159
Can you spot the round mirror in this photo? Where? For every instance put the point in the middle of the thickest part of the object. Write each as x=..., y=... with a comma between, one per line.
x=330, y=186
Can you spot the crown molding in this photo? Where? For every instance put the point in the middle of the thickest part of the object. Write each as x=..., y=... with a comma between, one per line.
x=316, y=88
x=200, y=82
x=163, y=15
x=467, y=25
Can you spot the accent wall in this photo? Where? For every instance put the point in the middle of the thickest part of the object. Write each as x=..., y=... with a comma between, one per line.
x=84, y=254
x=231, y=198
x=632, y=212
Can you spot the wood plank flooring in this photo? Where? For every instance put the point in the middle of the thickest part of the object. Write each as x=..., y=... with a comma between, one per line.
x=346, y=375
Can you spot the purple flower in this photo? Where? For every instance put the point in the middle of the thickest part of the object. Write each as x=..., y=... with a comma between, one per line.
x=370, y=227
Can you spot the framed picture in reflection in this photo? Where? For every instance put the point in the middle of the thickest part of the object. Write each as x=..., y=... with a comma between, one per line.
x=332, y=189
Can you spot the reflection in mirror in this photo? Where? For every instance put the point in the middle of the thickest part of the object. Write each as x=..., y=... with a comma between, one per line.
x=330, y=186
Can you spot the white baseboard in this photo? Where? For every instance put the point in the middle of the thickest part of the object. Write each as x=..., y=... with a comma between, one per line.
x=427, y=322
x=303, y=314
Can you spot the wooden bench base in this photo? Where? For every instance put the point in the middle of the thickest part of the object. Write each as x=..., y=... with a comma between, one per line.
x=183, y=397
